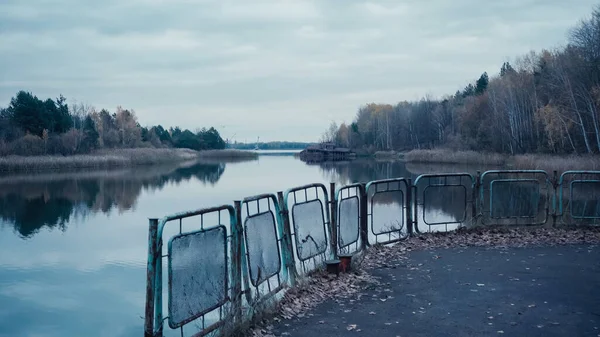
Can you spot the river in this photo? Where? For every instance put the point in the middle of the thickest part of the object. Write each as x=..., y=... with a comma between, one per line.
x=73, y=245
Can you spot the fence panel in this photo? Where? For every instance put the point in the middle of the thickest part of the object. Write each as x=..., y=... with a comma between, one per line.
x=515, y=197
x=578, y=200
x=310, y=222
x=348, y=199
x=198, y=277
x=443, y=202
x=202, y=278
x=388, y=209
x=263, y=247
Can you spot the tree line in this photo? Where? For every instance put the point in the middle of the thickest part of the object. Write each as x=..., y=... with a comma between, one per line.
x=270, y=145
x=30, y=126
x=546, y=101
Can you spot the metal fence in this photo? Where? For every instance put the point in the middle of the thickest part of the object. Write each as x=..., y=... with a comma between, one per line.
x=310, y=223
x=388, y=209
x=515, y=197
x=263, y=242
x=443, y=202
x=198, y=258
x=224, y=262
x=349, y=236
x=577, y=200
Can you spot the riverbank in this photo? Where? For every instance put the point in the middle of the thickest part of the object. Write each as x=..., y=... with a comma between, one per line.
x=115, y=158
x=545, y=162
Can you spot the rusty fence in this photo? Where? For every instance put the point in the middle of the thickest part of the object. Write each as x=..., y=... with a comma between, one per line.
x=223, y=264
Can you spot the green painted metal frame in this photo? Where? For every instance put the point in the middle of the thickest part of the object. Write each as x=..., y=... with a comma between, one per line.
x=361, y=197
x=406, y=207
x=582, y=182
x=482, y=189
x=155, y=267
x=284, y=254
x=508, y=181
x=561, y=187
x=326, y=214
x=445, y=176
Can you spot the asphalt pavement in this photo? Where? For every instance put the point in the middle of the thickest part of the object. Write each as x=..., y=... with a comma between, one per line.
x=534, y=291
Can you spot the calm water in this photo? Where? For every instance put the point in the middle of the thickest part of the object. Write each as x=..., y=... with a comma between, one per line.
x=73, y=245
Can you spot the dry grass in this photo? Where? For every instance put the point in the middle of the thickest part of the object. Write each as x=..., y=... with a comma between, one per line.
x=110, y=158
x=548, y=163
x=454, y=157
x=555, y=163
x=99, y=159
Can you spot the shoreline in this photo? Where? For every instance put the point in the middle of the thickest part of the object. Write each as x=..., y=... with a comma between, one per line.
x=116, y=158
x=544, y=162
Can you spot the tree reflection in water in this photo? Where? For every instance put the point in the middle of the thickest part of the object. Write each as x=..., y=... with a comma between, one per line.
x=30, y=202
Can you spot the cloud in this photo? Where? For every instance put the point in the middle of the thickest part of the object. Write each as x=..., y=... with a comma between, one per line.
x=382, y=10
x=270, y=10
x=310, y=32
x=264, y=66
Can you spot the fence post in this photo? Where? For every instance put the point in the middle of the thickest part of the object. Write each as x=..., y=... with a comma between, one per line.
x=364, y=223
x=409, y=223
x=554, y=198
x=333, y=219
x=476, y=196
x=236, y=260
x=287, y=247
x=150, y=280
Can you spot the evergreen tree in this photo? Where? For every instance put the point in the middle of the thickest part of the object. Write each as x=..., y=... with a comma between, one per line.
x=481, y=84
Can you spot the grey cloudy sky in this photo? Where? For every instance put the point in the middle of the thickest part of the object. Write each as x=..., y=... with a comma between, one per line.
x=281, y=70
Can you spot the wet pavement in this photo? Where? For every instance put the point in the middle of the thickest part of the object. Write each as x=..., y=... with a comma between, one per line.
x=535, y=291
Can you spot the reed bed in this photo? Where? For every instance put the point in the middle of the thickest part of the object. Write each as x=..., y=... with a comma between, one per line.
x=545, y=162
x=454, y=157
x=99, y=159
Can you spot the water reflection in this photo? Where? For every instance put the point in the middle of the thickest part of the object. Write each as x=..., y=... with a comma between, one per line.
x=364, y=170
x=29, y=203
x=444, y=204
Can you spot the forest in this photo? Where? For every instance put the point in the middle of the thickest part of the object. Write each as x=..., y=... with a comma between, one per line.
x=30, y=126
x=270, y=145
x=543, y=102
